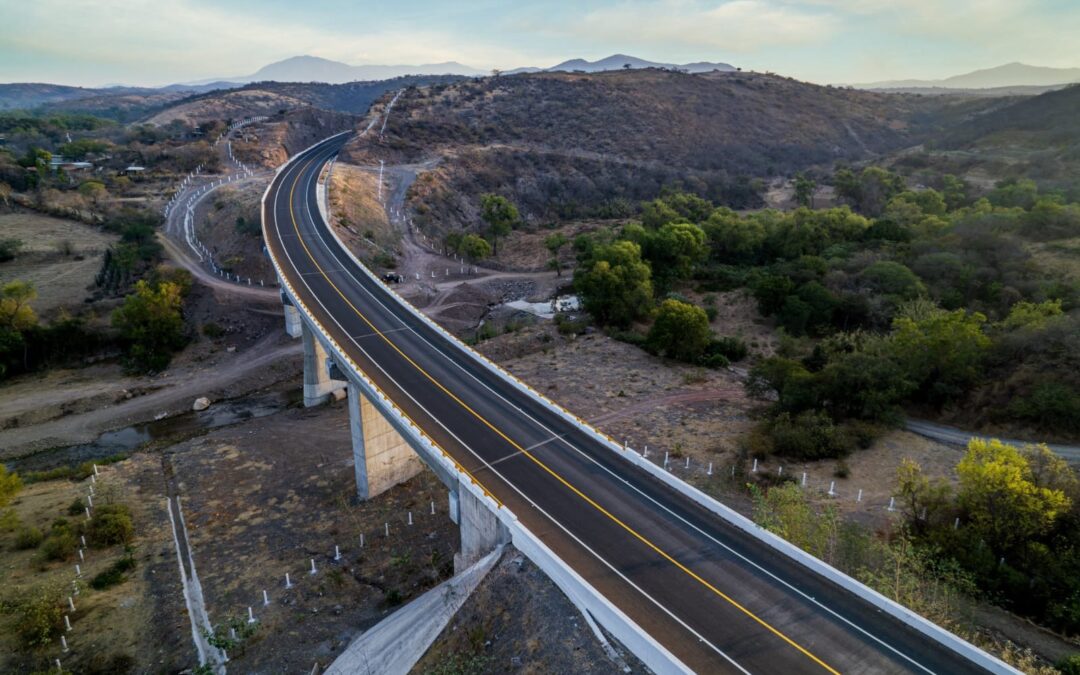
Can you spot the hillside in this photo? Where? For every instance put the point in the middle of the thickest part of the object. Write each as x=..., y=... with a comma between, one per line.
x=573, y=145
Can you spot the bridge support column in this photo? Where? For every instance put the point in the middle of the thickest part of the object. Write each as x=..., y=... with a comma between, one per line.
x=382, y=458
x=481, y=529
x=292, y=317
x=318, y=385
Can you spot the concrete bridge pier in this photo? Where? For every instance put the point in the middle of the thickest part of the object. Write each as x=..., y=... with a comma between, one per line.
x=318, y=385
x=481, y=530
x=382, y=458
x=292, y=317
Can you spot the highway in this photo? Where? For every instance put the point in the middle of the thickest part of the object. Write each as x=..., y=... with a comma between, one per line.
x=717, y=598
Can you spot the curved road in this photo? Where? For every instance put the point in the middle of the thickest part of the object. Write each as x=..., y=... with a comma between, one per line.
x=720, y=600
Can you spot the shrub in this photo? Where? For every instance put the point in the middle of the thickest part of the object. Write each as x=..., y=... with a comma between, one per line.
x=60, y=545
x=809, y=435
x=212, y=330
x=114, y=574
x=681, y=331
x=76, y=508
x=38, y=614
x=28, y=537
x=9, y=520
x=715, y=361
x=9, y=248
x=10, y=484
x=110, y=525
x=1070, y=665
x=732, y=348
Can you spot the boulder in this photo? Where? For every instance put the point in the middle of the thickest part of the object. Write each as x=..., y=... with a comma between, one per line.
x=201, y=403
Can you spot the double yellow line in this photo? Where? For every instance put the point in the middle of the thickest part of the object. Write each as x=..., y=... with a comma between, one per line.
x=539, y=463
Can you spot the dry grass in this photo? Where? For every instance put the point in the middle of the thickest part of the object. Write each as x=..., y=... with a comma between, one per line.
x=354, y=205
x=61, y=280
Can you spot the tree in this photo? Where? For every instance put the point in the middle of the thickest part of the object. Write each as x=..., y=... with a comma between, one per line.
x=474, y=247
x=955, y=191
x=735, y=239
x=5, y=193
x=804, y=190
x=16, y=314
x=672, y=251
x=921, y=498
x=1002, y=497
x=151, y=321
x=554, y=244
x=615, y=285
x=452, y=242
x=93, y=190
x=681, y=331
x=500, y=215
x=10, y=484
x=893, y=278
x=943, y=351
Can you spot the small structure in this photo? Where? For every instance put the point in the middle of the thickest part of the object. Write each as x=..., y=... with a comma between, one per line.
x=132, y=170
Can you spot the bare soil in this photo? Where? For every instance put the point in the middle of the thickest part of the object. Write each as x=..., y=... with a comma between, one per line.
x=518, y=621
x=264, y=498
x=218, y=221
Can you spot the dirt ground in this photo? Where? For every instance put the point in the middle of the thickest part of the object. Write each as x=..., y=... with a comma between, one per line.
x=61, y=279
x=217, y=216
x=518, y=621
x=263, y=498
x=355, y=208
x=140, y=619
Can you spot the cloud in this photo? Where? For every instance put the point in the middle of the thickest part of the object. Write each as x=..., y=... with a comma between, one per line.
x=148, y=41
x=735, y=25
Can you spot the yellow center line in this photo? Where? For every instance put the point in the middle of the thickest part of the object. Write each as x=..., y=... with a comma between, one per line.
x=539, y=463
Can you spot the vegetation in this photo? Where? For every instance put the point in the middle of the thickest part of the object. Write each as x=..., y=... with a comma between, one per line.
x=500, y=215
x=10, y=484
x=114, y=574
x=110, y=525
x=1018, y=512
x=680, y=331
x=152, y=323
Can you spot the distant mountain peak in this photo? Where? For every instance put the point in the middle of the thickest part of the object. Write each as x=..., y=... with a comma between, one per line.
x=1014, y=74
x=617, y=61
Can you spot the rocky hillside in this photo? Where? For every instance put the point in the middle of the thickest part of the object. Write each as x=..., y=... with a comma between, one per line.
x=578, y=145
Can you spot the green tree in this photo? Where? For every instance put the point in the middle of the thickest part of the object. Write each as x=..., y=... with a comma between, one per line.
x=672, y=251
x=681, y=331
x=955, y=191
x=94, y=191
x=554, y=243
x=16, y=314
x=474, y=247
x=894, y=279
x=10, y=484
x=1002, y=498
x=500, y=215
x=151, y=320
x=615, y=285
x=452, y=242
x=804, y=190
x=943, y=351
x=734, y=239
x=922, y=498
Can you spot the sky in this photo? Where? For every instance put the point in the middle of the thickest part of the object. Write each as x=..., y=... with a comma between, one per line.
x=158, y=42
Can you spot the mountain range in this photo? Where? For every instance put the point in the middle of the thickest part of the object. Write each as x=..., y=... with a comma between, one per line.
x=316, y=69
x=1008, y=75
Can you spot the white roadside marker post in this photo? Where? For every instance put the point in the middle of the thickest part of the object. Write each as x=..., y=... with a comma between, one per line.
x=288, y=583
x=337, y=552
x=251, y=616
x=313, y=571
x=266, y=598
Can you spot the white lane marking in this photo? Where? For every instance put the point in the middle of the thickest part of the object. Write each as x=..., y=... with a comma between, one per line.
x=626, y=482
x=622, y=576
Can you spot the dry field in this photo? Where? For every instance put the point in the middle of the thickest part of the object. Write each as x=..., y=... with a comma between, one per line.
x=61, y=279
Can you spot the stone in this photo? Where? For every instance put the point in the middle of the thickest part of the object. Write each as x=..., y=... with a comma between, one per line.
x=201, y=403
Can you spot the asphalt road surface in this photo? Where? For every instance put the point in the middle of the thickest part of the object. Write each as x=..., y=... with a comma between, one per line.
x=718, y=599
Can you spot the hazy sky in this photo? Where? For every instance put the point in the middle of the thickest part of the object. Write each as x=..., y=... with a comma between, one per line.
x=155, y=42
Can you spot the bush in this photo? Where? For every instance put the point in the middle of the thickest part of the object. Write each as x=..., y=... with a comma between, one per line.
x=9, y=520
x=809, y=435
x=28, y=537
x=110, y=525
x=60, y=545
x=681, y=331
x=114, y=574
x=212, y=330
x=9, y=248
x=715, y=361
x=76, y=508
x=1070, y=665
x=732, y=348
x=38, y=614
